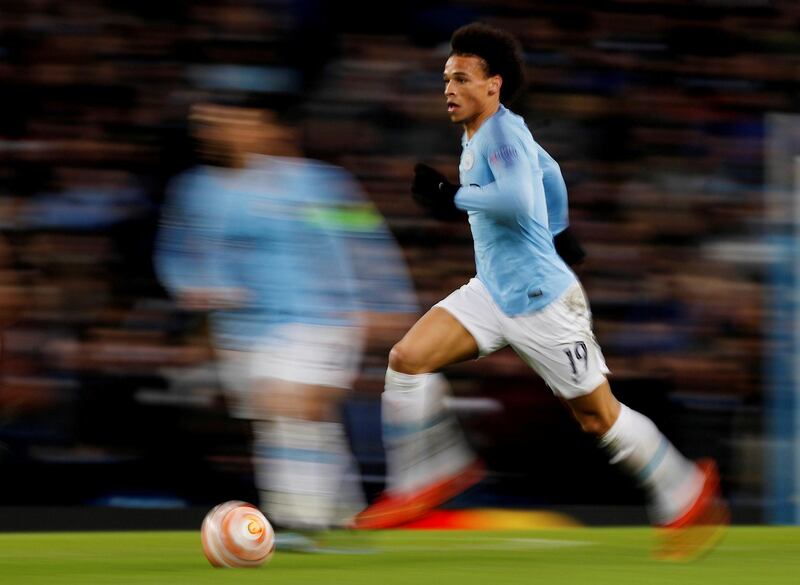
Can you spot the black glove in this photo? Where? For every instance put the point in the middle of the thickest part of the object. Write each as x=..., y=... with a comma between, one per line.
x=569, y=248
x=434, y=192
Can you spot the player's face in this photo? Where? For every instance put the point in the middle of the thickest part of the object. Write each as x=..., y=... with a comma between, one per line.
x=227, y=133
x=471, y=95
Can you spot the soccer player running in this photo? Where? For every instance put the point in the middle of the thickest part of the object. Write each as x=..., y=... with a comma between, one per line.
x=249, y=238
x=525, y=295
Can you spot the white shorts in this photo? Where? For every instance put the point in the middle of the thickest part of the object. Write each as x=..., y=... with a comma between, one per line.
x=315, y=355
x=557, y=342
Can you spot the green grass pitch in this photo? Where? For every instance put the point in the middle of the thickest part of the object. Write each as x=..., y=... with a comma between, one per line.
x=613, y=556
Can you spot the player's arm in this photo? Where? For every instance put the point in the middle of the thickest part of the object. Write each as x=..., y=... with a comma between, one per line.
x=510, y=193
x=185, y=251
x=567, y=244
x=514, y=189
x=175, y=259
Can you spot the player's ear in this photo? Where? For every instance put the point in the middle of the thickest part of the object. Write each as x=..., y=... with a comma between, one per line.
x=495, y=83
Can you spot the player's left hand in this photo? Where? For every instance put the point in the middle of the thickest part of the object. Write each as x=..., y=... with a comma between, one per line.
x=434, y=192
x=569, y=248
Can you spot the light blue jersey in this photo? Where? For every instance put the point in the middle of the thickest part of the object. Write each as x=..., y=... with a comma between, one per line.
x=268, y=230
x=516, y=199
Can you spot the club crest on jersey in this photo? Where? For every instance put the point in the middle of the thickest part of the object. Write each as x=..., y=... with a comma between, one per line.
x=467, y=161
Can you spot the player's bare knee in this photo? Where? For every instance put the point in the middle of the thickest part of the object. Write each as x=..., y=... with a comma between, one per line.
x=597, y=411
x=406, y=361
x=593, y=424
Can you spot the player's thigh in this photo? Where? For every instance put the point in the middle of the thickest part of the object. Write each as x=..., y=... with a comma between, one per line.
x=559, y=344
x=435, y=341
x=464, y=325
x=273, y=398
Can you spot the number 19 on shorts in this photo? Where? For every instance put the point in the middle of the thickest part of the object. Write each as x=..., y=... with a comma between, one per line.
x=578, y=358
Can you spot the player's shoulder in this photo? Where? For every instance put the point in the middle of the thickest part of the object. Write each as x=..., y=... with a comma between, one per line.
x=506, y=127
x=187, y=180
x=512, y=132
x=311, y=168
x=331, y=182
x=190, y=174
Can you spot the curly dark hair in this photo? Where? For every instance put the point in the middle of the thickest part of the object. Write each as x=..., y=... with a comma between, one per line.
x=500, y=51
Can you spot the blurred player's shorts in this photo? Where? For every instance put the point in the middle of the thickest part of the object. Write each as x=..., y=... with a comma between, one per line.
x=316, y=355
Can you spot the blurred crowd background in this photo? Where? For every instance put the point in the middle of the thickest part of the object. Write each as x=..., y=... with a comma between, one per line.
x=657, y=111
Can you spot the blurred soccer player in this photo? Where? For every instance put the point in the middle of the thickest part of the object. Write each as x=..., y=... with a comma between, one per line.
x=524, y=295
x=248, y=237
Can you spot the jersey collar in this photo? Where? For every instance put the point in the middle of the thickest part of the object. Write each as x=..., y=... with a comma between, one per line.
x=465, y=142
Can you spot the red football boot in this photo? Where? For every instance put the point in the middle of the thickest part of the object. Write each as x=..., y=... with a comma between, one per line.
x=392, y=510
x=701, y=526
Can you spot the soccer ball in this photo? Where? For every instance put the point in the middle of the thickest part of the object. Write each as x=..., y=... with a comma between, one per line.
x=236, y=534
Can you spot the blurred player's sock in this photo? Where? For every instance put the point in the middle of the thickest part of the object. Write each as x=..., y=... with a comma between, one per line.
x=672, y=482
x=305, y=474
x=428, y=460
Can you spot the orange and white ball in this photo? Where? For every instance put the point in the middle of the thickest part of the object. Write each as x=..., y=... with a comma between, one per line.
x=236, y=534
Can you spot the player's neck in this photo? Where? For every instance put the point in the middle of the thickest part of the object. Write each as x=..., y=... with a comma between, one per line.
x=472, y=126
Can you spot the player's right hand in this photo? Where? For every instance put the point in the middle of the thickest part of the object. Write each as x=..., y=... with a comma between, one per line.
x=434, y=192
